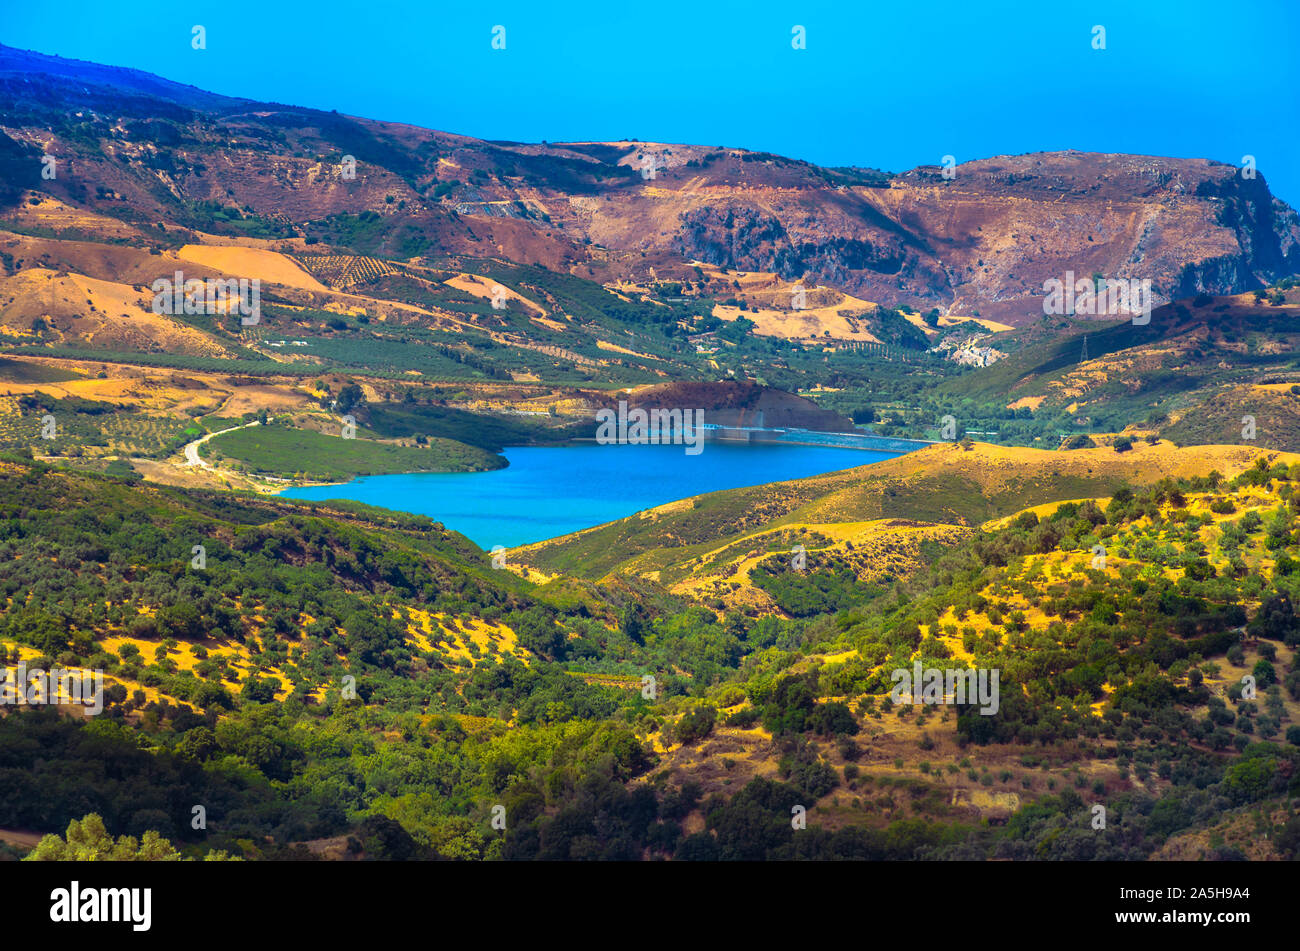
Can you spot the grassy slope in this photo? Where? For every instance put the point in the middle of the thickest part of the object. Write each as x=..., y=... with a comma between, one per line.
x=1219, y=419
x=281, y=451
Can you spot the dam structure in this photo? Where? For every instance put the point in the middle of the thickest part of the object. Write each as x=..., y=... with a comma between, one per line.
x=717, y=432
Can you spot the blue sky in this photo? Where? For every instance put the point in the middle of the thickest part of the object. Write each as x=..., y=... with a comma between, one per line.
x=881, y=85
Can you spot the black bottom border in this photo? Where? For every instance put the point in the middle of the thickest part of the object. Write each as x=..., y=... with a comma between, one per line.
x=350, y=900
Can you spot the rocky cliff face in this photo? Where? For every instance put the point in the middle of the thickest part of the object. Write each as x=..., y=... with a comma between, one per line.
x=986, y=240
x=141, y=149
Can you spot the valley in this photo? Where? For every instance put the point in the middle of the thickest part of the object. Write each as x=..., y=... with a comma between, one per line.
x=363, y=574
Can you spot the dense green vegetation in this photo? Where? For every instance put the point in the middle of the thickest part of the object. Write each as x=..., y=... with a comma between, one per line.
x=281, y=450
x=409, y=418
x=809, y=594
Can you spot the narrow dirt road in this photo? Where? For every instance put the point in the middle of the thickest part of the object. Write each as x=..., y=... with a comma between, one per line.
x=192, y=457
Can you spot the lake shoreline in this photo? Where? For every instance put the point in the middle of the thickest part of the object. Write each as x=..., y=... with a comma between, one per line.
x=543, y=492
x=853, y=441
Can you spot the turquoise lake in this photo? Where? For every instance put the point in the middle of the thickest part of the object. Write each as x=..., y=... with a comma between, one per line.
x=549, y=491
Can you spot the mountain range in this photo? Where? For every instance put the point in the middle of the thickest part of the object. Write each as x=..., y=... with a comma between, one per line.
x=977, y=239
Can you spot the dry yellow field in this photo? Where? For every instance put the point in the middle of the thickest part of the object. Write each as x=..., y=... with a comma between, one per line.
x=269, y=266
x=101, y=313
x=485, y=288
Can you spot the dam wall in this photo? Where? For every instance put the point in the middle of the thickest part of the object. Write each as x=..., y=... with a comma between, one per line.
x=715, y=432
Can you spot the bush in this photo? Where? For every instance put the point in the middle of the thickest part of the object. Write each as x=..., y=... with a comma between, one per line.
x=743, y=719
x=696, y=724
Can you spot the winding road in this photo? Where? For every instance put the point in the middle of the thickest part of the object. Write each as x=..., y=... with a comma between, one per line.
x=192, y=457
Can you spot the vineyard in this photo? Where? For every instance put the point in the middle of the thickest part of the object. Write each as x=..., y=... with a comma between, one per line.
x=340, y=271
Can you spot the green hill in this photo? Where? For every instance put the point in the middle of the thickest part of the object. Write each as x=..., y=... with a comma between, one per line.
x=942, y=483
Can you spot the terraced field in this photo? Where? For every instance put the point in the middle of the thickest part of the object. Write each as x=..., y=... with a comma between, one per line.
x=342, y=271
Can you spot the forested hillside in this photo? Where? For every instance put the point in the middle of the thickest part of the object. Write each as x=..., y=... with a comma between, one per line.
x=1121, y=684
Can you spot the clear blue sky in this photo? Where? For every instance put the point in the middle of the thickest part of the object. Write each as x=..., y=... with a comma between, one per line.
x=886, y=85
